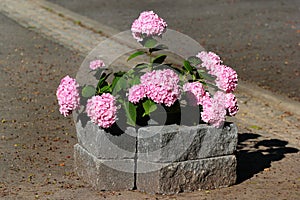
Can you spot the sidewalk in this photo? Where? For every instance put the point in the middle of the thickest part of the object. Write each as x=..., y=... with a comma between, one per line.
x=36, y=143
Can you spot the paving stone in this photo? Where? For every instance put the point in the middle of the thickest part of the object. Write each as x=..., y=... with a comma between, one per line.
x=104, y=174
x=186, y=176
x=181, y=143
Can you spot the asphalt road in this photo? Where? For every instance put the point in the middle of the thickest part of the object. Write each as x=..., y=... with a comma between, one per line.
x=260, y=39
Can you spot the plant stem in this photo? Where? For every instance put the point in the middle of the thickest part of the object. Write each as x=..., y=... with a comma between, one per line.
x=150, y=63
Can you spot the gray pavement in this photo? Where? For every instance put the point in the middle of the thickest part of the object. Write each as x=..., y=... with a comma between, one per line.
x=36, y=142
x=260, y=39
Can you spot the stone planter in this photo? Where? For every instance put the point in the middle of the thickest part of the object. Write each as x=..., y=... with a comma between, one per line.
x=185, y=158
x=157, y=159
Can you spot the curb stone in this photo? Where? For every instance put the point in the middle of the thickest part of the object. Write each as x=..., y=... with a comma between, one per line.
x=47, y=19
x=262, y=110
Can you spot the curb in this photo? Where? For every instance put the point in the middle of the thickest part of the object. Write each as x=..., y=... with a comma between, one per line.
x=82, y=34
x=275, y=100
x=55, y=23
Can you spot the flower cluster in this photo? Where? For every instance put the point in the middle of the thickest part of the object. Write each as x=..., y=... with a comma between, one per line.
x=209, y=60
x=214, y=111
x=156, y=85
x=136, y=93
x=231, y=104
x=95, y=64
x=226, y=80
x=148, y=24
x=67, y=95
x=161, y=86
x=215, y=108
x=226, y=77
x=195, y=92
x=102, y=110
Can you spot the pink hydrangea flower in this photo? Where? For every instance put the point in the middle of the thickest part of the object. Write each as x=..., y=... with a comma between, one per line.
x=136, y=93
x=102, y=110
x=161, y=86
x=148, y=24
x=209, y=60
x=67, y=95
x=231, y=104
x=226, y=78
x=214, y=110
x=95, y=64
x=195, y=91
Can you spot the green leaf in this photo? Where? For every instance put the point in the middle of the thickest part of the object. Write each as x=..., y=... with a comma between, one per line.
x=119, y=74
x=135, y=54
x=210, y=85
x=105, y=89
x=255, y=127
x=121, y=84
x=159, y=59
x=194, y=60
x=201, y=71
x=130, y=111
x=150, y=43
x=149, y=107
x=120, y=100
x=102, y=80
x=141, y=66
x=115, y=81
x=88, y=91
x=158, y=48
x=207, y=76
x=194, y=77
x=179, y=70
x=135, y=81
x=187, y=66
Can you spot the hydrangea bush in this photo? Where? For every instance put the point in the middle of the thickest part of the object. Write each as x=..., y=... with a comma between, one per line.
x=138, y=92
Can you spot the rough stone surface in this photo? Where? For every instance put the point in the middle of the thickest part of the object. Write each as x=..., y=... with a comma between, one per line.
x=187, y=176
x=159, y=159
x=104, y=174
x=182, y=143
x=115, y=144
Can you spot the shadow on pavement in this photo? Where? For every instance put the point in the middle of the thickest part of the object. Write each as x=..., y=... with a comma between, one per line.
x=255, y=154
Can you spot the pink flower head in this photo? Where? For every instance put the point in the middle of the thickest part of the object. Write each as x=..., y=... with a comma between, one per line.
x=226, y=78
x=95, y=64
x=214, y=110
x=209, y=60
x=161, y=86
x=231, y=104
x=136, y=93
x=148, y=24
x=67, y=95
x=195, y=91
x=102, y=110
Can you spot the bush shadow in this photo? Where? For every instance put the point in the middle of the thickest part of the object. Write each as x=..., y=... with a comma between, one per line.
x=254, y=154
